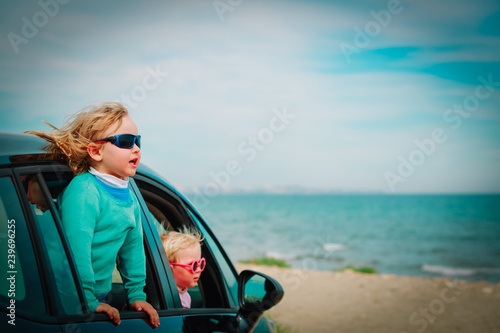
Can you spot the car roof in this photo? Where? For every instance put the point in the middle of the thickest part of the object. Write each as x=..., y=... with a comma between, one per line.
x=16, y=144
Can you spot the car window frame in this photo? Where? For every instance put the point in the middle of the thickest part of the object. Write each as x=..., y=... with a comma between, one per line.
x=229, y=305
x=231, y=291
x=164, y=278
x=41, y=251
x=32, y=234
x=62, y=275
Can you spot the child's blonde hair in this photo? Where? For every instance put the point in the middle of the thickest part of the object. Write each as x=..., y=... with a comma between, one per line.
x=173, y=241
x=80, y=129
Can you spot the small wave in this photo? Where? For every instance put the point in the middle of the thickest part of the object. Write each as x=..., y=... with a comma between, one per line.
x=332, y=247
x=456, y=271
x=277, y=255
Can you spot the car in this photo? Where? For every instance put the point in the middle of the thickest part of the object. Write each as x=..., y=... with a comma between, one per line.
x=41, y=290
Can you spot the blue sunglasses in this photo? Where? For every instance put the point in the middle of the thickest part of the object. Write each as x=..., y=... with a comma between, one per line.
x=122, y=140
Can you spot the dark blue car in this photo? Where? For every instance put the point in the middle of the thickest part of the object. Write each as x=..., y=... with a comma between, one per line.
x=40, y=289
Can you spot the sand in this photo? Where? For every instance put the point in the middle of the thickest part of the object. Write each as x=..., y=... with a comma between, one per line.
x=322, y=301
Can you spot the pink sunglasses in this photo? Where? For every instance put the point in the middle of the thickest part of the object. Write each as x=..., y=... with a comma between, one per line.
x=194, y=266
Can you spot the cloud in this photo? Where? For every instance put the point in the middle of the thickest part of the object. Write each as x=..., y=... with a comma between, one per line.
x=225, y=78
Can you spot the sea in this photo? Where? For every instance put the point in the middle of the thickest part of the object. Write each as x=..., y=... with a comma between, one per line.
x=455, y=236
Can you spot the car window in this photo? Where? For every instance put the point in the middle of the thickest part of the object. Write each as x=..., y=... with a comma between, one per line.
x=20, y=289
x=222, y=260
x=61, y=282
x=168, y=212
x=66, y=288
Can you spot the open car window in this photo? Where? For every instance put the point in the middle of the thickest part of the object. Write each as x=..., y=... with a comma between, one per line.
x=168, y=213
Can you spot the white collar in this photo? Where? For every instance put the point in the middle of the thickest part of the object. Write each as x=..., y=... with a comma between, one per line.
x=109, y=179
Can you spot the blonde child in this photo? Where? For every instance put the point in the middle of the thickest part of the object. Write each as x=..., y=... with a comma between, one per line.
x=183, y=251
x=99, y=213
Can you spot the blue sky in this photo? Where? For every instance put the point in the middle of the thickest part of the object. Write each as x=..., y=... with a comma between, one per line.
x=276, y=96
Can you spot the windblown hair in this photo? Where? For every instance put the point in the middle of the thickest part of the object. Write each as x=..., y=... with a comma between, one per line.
x=71, y=140
x=173, y=241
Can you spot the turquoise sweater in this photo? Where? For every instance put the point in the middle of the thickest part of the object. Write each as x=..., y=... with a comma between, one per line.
x=99, y=228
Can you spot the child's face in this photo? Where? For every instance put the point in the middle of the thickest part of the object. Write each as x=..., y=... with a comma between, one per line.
x=116, y=161
x=182, y=275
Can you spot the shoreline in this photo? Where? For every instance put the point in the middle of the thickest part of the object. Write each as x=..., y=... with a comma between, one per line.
x=351, y=302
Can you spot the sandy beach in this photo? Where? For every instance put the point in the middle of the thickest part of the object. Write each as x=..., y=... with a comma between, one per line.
x=322, y=301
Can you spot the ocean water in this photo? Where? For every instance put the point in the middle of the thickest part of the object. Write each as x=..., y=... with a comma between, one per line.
x=456, y=236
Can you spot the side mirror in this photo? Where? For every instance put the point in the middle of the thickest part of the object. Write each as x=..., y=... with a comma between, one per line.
x=258, y=292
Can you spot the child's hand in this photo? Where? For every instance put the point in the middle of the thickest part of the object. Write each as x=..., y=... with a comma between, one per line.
x=110, y=311
x=148, y=308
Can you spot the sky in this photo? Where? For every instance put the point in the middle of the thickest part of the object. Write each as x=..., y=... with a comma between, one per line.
x=272, y=96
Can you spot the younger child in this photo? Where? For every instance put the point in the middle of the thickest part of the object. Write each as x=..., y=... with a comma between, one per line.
x=99, y=213
x=183, y=250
